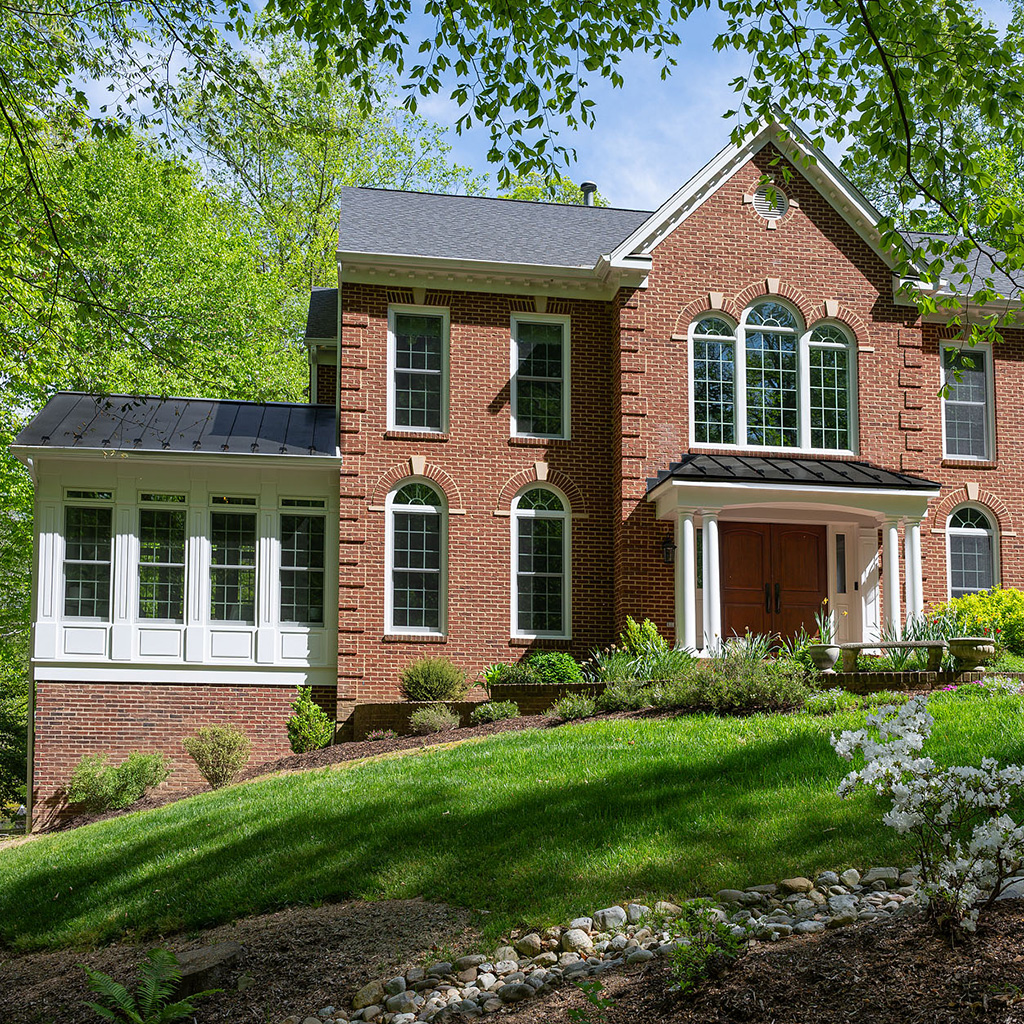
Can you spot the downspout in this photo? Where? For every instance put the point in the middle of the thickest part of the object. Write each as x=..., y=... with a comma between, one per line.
x=337, y=370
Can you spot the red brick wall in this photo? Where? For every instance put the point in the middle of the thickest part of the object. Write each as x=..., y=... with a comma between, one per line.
x=480, y=469
x=75, y=718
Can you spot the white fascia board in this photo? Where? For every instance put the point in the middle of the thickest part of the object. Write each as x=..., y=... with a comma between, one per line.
x=25, y=452
x=599, y=281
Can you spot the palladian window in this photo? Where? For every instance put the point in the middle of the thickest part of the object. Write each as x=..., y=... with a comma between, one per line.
x=417, y=542
x=769, y=383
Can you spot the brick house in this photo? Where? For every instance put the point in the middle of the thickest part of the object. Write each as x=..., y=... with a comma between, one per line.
x=547, y=418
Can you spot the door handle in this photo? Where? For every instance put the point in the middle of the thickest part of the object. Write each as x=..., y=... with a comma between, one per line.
x=768, y=598
x=778, y=598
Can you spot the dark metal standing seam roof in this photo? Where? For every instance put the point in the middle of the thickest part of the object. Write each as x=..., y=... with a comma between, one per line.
x=322, y=321
x=146, y=423
x=383, y=222
x=772, y=469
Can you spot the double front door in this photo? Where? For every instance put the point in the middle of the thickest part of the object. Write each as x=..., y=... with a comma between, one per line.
x=774, y=577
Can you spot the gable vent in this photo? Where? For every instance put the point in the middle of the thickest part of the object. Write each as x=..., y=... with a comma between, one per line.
x=774, y=209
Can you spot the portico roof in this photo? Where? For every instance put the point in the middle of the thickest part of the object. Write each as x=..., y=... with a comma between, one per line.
x=699, y=467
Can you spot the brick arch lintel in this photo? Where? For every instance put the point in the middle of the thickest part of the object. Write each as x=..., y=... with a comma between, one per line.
x=539, y=472
x=998, y=508
x=413, y=467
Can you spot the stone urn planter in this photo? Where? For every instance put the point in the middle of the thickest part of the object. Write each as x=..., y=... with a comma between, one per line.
x=824, y=657
x=972, y=651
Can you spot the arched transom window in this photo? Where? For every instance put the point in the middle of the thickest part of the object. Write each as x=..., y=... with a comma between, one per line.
x=972, y=561
x=417, y=559
x=769, y=383
x=540, y=564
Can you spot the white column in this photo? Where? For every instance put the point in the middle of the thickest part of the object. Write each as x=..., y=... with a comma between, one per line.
x=908, y=584
x=914, y=571
x=891, y=569
x=712, y=583
x=686, y=582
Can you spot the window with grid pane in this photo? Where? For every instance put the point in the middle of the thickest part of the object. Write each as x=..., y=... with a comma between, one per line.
x=714, y=370
x=971, y=552
x=161, y=564
x=233, y=567
x=88, y=544
x=830, y=388
x=541, y=563
x=965, y=409
x=419, y=343
x=417, y=561
x=302, y=569
x=539, y=383
x=772, y=377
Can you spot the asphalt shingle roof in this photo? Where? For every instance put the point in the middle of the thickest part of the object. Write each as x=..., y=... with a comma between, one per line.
x=979, y=266
x=775, y=469
x=385, y=222
x=71, y=419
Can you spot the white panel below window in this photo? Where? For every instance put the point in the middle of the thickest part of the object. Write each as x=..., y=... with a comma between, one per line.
x=306, y=647
x=86, y=640
x=160, y=643
x=230, y=644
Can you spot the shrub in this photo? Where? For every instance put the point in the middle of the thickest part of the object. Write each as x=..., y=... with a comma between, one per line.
x=516, y=672
x=642, y=653
x=377, y=735
x=642, y=639
x=158, y=979
x=998, y=612
x=709, y=949
x=554, y=667
x=100, y=786
x=309, y=728
x=737, y=681
x=436, y=718
x=494, y=711
x=219, y=751
x=430, y=679
x=629, y=695
x=573, y=706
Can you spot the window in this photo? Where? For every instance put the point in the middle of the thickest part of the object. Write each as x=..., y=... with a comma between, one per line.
x=540, y=376
x=88, y=548
x=540, y=564
x=302, y=569
x=966, y=407
x=161, y=561
x=418, y=389
x=417, y=558
x=233, y=567
x=970, y=538
x=768, y=383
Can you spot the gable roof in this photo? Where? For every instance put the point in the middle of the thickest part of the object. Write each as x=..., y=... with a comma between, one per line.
x=145, y=423
x=322, y=321
x=423, y=224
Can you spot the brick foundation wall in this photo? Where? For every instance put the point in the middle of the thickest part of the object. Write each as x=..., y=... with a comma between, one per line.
x=873, y=682
x=536, y=699
x=74, y=718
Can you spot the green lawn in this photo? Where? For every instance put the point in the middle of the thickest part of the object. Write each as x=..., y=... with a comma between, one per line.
x=532, y=827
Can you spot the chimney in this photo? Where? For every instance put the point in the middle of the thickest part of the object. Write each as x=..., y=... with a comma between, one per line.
x=588, y=188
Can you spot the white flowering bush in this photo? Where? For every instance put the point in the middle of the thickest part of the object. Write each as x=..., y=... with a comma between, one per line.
x=969, y=846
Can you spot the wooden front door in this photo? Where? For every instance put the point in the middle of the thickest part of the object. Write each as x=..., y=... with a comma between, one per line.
x=774, y=577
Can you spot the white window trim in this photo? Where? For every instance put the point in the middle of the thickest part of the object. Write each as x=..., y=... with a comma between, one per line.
x=541, y=318
x=390, y=629
x=445, y=316
x=566, y=516
x=990, y=400
x=320, y=513
x=60, y=555
x=993, y=532
x=804, y=346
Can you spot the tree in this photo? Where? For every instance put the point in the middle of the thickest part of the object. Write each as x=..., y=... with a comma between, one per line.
x=536, y=187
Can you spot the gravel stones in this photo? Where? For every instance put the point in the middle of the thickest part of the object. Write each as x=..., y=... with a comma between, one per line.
x=368, y=995
x=850, y=877
x=798, y=884
x=515, y=993
x=636, y=912
x=610, y=918
x=880, y=875
x=531, y=945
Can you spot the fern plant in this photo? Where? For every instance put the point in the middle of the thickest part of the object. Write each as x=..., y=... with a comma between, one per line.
x=158, y=978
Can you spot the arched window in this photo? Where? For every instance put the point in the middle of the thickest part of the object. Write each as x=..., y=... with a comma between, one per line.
x=769, y=383
x=540, y=564
x=970, y=538
x=417, y=558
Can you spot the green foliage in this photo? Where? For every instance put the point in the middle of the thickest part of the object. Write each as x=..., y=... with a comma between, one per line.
x=309, y=728
x=573, y=706
x=100, y=786
x=998, y=613
x=158, y=978
x=828, y=702
x=598, y=1003
x=434, y=718
x=642, y=640
x=515, y=673
x=629, y=694
x=553, y=668
x=219, y=751
x=641, y=654
x=433, y=679
x=710, y=947
x=494, y=711
x=377, y=735
x=535, y=187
